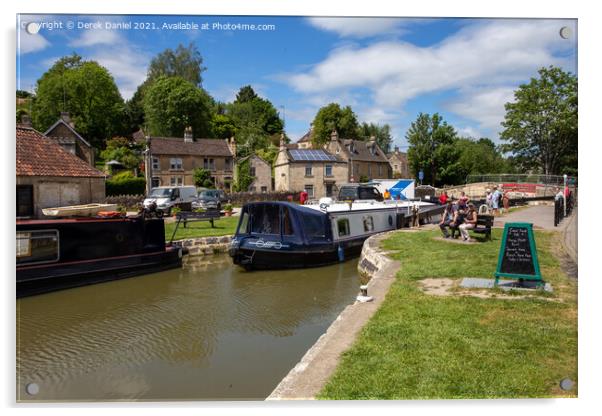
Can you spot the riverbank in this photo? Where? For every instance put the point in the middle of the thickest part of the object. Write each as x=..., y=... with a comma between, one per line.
x=431, y=345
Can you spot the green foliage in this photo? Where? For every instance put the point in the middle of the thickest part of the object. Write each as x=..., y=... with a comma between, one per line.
x=134, y=108
x=431, y=149
x=243, y=176
x=85, y=89
x=124, y=150
x=20, y=113
x=541, y=124
x=364, y=179
x=172, y=103
x=381, y=133
x=333, y=117
x=255, y=119
x=222, y=126
x=125, y=183
x=184, y=62
x=228, y=207
x=202, y=178
x=23, y=94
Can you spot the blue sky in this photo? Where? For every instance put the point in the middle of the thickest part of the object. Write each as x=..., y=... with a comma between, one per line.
x=387, y=69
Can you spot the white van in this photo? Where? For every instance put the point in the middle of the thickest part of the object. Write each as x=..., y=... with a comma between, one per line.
x=167, y=196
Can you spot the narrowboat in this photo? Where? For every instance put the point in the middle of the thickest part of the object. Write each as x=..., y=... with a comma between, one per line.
x=54, y=254
x=274, y=235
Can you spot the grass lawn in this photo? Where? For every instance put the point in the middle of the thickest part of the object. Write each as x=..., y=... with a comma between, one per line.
x=223, y=226
x=420, y=346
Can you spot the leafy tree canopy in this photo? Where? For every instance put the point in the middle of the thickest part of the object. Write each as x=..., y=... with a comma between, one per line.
x=87, y=91
x=172, y=103
x=202, y=178
x=381, y=133
x=333, y=117
x=540, y=126
x=124, y=150
x=184, y=62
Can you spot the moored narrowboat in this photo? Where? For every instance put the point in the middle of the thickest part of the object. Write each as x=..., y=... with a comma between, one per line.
x=274, y=235
x=57, y=254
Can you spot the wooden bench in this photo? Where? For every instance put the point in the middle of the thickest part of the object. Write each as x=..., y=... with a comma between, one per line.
x=210, y=215
x=484, y=224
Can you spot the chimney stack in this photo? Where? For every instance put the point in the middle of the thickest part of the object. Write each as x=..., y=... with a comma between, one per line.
x=67, y=119
x=26, y=120
x=232, y=146
x=188, y=135
x=396, y=149
x=334, y=136
x=282, y=143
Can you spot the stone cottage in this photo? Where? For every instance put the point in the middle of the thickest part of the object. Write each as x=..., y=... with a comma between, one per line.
x=47, y=175
x=399, y=163
x=260, y=170
x=63, y=132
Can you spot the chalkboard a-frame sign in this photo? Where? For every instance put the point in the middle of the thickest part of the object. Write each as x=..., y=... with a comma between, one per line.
x=518, y=254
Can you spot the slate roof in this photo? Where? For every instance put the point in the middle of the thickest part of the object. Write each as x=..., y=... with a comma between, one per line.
x=199, y=147
x=306, y=137
x=37, y=155
x=362, y=152
x=65, y=139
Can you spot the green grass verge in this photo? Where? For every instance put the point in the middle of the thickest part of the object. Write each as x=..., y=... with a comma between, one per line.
x=420, y=346
x=223, y=226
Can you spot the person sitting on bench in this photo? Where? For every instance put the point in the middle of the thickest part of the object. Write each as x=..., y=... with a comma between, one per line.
x=470, y=222
x=459, y=214
x=446, y=218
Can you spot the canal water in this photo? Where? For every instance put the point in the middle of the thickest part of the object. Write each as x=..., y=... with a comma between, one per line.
x=207, y=331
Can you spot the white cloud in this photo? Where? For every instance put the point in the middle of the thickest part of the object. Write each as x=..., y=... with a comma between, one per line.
x=357, y=26
x=27, y=43
x=96, y=37
x=484, y=105
x=468, y=131
x=127, y=65
x=484, y=61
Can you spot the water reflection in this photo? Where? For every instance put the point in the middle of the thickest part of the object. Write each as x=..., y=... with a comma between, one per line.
x=207, y=331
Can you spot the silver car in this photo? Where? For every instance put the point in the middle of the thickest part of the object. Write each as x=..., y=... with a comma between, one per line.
x=208, y=199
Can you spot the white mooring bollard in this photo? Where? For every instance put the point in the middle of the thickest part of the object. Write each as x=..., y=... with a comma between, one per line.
x=363, y=296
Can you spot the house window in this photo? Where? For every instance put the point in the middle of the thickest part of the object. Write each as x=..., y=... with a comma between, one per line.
x=252, y=188
x=370, y=171
x=380, y=170
x=175, y=163
x=396, y=167
x=328, y=170
x=329, y=187
x=310, y=191
x=209, y=164
x=156, y=164
x=228, y=163
x=24, y=200
x=176, y=181
x=308, y=170
x=264, y=189
x=252, y=171
x=343, y=227
x=37, y=246
x=155, y=182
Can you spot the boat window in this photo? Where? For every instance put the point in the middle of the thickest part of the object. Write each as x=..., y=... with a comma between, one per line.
x=368, y=223
x=287, y=224
x=266, y=219
x=243, y=224
x=37, y=246
x=314, y=226
x=343, y=227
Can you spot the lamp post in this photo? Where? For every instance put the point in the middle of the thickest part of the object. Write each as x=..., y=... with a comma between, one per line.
x=148, y=166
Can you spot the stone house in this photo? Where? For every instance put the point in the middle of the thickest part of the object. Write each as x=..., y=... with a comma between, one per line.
x=260, y=170
x=315, y=170
x=63, y=132
x=174, y=159
x=399, y=163
x=47, y=175
x=364, y=158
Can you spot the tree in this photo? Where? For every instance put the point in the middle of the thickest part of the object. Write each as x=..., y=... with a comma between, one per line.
x=23, y=94
x=184, y=62
x=540, y=126
x=124, y=150
x=222, y=126
x=202, y=178
x=333, y=117
x=431, y=147
x=171, y=104
x=85, y=89
x=381, y=133
x=255, y=119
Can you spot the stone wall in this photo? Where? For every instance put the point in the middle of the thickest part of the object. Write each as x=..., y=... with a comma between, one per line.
x=206, y=245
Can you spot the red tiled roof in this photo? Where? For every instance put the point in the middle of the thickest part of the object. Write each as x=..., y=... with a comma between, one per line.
x=199, y=147
x=39, y=156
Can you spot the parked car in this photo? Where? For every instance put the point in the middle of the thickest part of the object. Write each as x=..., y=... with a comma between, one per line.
x=353, y=192
x=166, y=197
x=208, y=199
